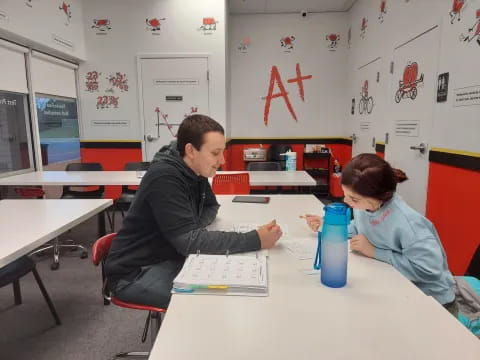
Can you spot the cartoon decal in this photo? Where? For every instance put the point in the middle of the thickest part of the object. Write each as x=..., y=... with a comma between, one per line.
x=457, y=9
x=209, y=25
x=101, y=25
x=365, y=103
x=473, y=31
x=333, y=40
x=65, y=8
x=408, y=85
x=287, y=42
x=363, y=28
x=154, y=24
x=383, y=10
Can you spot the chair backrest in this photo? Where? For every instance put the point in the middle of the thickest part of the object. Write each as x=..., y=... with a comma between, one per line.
x=264, y=166
x=134, y=166
x=101, y=247
x=274, y=151
x=227, y=184
x=97, y=192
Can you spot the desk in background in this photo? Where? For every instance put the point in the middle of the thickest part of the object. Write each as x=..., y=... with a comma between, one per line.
x=27, y=224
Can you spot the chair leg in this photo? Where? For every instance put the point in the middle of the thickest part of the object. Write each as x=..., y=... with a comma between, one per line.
x=156, y=320
x=16, y=292
x=47, y=297
x=145, y=329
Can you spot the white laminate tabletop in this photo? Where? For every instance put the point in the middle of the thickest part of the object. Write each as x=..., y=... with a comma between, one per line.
x=43, y=178
x=27, y=224
x=73, y=178
x=378, y=315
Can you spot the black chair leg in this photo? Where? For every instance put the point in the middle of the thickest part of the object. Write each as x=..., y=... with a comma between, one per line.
x=47, y=297
x=16, y=292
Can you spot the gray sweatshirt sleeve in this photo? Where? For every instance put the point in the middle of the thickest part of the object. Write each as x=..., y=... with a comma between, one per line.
x=210, y=208
x=173, y=213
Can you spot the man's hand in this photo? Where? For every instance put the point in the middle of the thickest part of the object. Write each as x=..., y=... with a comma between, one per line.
x=269, y=234
x=313, y=221
x=360, y=243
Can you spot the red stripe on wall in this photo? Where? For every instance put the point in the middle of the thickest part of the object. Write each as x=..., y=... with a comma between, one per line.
x=453, y=196
x=111, y=159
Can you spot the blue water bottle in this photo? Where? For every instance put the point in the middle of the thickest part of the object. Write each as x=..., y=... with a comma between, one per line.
x=334, y=245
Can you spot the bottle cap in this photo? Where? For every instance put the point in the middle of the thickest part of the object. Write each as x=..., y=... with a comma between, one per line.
x=337, y=214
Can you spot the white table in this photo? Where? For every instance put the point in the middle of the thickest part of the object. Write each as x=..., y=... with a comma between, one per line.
x=27, y=224
x=43, y=178
x=378, y=315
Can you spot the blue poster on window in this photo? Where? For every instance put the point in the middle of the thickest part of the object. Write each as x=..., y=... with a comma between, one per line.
x=58, y=125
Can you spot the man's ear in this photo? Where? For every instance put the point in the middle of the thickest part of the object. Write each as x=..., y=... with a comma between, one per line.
x=189, y=150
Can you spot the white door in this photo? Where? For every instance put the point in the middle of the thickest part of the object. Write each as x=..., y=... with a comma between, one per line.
x=170, y=89
x=366, y=117
x=412, y=99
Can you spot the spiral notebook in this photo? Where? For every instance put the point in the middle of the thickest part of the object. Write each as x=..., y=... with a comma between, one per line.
x=223, y=275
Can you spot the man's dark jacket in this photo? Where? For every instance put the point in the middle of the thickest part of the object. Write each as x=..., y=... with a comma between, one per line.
x=167, y=220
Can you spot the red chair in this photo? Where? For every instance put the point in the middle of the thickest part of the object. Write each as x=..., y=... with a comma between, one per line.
x=99, y=252
x=30, y=192
x=229, y=184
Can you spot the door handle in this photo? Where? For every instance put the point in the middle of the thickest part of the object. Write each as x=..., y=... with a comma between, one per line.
x=151, y=138
x=421, y=147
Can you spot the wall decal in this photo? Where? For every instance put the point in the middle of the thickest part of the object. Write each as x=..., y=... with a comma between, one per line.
x=91, y=81
x=118, y=80
x=332, y=40
x=287, y=43
x=209, y=25
x=243, y=47
x=164, y=122
x=65, y=8
x=457, y=9
x=299, y=80
x=193, y=110
x=383, y=10
x=363, y=28
x=408, y=85
x=101, y=26
x=473, y=31
x=276, y=78
x=442, y=87
x=154, y=25
x=365, y=104
x=107, y=101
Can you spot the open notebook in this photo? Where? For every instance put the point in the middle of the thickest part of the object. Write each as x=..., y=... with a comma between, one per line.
x=223, y=275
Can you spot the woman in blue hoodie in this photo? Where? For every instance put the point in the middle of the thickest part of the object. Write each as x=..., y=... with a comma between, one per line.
x=387, y=229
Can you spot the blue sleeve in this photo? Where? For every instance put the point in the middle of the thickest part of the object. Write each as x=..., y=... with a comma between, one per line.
x=420, y=260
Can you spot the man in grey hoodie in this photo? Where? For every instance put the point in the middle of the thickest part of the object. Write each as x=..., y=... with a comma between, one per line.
x=167, y=219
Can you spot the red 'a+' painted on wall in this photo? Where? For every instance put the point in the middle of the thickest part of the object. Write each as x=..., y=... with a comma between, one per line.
x=275, y=77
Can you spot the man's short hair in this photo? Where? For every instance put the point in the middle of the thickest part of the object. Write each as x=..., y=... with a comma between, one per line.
x=192, y=130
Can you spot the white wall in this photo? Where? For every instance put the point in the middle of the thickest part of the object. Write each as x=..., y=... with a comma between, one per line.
x=128, y=37
x=326, y=106
x=42, y=25
x=455, y=128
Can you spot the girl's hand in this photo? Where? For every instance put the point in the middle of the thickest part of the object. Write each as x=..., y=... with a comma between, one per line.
x=360, y=243
x=313, y=221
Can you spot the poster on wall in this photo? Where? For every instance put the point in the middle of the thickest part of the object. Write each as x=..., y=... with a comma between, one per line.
x=442, y=87
x=117, y=82
x=467, y=96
